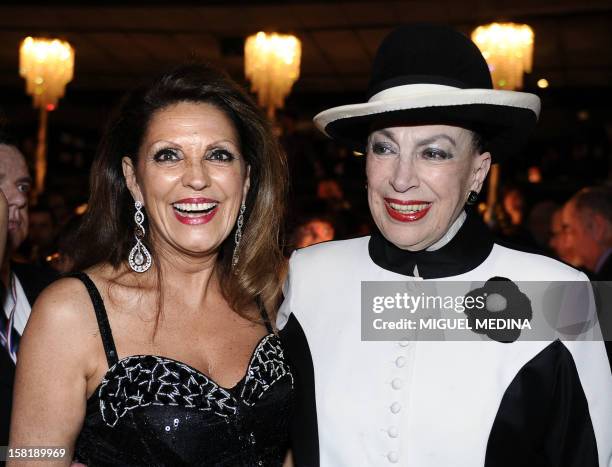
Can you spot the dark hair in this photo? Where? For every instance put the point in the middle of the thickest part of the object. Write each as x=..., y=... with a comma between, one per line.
x=594, y=200
x=6, y=138
x=107, y=230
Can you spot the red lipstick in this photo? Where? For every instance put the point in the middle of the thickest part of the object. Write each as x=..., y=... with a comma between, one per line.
x=195, y=217
x=406, y=216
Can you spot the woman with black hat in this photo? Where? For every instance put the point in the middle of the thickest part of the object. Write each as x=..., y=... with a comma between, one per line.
x=431, y=128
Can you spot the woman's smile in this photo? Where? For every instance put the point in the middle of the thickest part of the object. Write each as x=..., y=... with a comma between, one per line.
x=195, y=211
x=407, y=211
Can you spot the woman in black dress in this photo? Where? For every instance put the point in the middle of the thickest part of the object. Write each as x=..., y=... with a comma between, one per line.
x=161, y=352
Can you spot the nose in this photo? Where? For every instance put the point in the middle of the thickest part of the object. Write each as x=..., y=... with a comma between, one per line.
x=405, y=175
x=196, y=175
x=15, y=197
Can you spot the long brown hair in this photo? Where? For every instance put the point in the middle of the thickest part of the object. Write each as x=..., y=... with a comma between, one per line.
x=107, y=231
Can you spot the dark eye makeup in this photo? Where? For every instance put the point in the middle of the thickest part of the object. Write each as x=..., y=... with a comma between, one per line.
x=166, y=155
x=170, y=154
x=382, y=148
x=220, y=155
x=436, y=154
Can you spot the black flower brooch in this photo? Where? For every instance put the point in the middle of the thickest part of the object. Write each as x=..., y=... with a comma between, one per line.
x=506, y=313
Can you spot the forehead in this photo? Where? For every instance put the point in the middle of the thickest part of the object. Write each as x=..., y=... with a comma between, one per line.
x=189, y=120
x=423, y=131
x=569, y=216
x=12, y=162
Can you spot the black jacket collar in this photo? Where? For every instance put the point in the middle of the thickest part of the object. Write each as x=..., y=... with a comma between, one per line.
x=464, y=252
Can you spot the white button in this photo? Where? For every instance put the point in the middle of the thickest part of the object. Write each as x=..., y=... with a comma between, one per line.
x=393, y=432
x=393, y=457
x=396, y=407
x=396, y=383
x=404, y=343
x=400, y=362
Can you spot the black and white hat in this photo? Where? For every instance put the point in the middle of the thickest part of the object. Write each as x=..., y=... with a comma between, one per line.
x=429, y=74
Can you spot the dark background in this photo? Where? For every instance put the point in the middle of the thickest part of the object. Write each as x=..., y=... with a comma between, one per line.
x=117, y=46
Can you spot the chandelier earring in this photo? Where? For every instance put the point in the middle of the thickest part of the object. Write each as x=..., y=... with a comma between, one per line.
x=139, y=258
x=238, y=235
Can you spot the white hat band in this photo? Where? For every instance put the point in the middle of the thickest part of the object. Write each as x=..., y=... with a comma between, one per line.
x=410, y=90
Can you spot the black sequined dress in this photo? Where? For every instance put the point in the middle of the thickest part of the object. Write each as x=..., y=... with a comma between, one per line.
x=152, y=410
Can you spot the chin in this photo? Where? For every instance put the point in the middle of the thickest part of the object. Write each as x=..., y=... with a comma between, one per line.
x=402, y=236
x=406, y=236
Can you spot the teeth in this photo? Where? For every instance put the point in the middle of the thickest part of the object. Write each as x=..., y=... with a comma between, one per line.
x=191, y=207
x=405, y=208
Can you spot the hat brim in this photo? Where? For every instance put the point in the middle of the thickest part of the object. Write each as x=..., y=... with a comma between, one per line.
x=504, y=119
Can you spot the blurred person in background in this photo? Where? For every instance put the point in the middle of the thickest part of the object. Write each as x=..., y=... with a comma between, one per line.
x=558, y=241
x=21, y=282
x=313, y=230
x=7, y=368
x=511, y=226
x=587, y=226
x=539, y=224
x=58, y=205
x=62, y=257
x=41, y=234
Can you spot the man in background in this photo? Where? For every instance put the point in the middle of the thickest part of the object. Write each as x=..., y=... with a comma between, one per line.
x=20, y=283
x=587, y=227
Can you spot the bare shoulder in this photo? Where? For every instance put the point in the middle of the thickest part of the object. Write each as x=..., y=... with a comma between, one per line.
x=64, y=298
x=63, y=313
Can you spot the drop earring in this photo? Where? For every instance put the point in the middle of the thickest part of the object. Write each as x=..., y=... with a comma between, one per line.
x=238, y=235
x=139, y=258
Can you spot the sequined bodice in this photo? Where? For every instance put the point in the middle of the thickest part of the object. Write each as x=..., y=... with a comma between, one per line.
x=153, y=410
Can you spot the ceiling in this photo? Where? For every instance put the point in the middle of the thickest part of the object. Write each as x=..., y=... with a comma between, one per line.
x=117, y=45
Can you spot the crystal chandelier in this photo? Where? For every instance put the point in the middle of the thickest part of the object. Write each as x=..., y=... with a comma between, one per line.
x=508, y=50
x=47, y=65
x=272, y=64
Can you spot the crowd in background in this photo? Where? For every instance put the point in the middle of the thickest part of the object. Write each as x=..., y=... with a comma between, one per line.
x=328, y=197
x=328, y=201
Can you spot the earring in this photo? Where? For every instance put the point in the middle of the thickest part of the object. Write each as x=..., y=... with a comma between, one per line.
x=139, y=258
x=238, y=235
x=472, y=198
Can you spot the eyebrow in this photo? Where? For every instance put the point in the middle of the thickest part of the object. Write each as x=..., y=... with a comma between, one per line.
x=388, y=134
x=434, y=138
x=422, y=142
x=179, y=145
x=25, y=180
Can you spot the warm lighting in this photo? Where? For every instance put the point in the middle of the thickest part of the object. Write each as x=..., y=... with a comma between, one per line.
x=542, y=83
x=534, y=175
x=583, y=115
x=81, y=209
x=47, y=65
x=272, y=64
x=508, y=50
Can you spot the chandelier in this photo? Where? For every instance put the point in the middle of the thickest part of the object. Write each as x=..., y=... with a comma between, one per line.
x=272, y=64
x=508, y=50
x=47, y=65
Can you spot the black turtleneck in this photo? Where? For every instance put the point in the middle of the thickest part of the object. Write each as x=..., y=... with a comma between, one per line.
x=465, y=251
